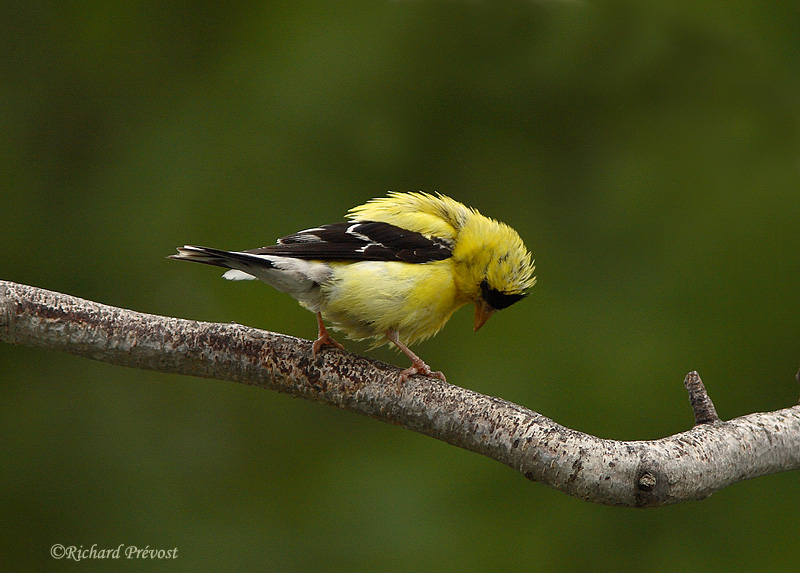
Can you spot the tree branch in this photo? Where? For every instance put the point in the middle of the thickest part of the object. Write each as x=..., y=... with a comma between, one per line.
x=689, y=465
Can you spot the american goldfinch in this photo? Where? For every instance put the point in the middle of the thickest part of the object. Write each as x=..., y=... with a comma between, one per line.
x=394, y=273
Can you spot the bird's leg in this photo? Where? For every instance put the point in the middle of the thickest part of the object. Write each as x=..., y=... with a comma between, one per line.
x=417, y=365
x=323, y=338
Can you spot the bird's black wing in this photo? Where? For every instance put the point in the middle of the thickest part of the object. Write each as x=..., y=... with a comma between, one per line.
x=360, y=241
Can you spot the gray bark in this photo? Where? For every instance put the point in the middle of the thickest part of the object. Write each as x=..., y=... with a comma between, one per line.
x=689, y=465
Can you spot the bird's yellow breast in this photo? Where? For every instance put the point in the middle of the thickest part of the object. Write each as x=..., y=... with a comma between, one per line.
x=368, y=298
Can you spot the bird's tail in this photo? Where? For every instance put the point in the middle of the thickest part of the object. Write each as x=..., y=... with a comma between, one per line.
x=242, y=265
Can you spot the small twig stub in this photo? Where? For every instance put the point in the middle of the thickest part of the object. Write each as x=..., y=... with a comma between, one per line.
x=703, y=407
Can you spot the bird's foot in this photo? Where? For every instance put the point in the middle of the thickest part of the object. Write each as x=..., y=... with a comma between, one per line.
x=324, y=340
x=419, y=367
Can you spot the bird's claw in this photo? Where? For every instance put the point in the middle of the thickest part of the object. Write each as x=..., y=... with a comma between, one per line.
x=422, y=369
x=324, y=340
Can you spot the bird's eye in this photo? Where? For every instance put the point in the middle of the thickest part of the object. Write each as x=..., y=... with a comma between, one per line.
x=499, y=300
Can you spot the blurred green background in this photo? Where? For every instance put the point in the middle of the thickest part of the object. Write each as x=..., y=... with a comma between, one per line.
x=648, y=154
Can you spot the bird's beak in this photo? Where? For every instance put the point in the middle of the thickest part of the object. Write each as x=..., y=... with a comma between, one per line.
x=482, y=313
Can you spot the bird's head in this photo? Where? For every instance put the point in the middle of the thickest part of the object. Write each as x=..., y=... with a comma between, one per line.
x=494, y=268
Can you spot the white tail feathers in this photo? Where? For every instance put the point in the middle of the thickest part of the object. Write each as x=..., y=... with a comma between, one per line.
x=237, y=275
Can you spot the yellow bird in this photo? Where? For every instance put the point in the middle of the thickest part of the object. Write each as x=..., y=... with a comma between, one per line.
x=396, y=272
